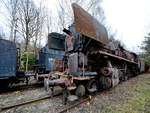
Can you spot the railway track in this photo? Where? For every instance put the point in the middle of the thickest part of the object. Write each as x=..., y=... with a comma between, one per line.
x=69, y=107
x=75, y=104
x=27, y=103
x=88, y=98
x=21, y=88
x=81, y=101
x=22, y=104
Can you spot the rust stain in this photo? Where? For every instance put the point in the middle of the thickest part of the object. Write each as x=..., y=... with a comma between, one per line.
x=59, y=64
x=87, y=25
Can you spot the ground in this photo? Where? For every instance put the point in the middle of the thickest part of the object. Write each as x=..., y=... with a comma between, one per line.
x=132, y=96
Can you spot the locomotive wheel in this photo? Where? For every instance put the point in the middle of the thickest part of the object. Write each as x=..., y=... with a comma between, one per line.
x=93, y=84
x=105, y=82
x=80, y=91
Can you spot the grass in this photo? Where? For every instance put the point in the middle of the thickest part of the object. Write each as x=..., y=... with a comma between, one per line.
x=139, y=102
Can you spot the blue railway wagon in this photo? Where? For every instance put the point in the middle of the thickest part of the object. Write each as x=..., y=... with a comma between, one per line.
x=47, y=58
x=10, y=72
x=50, y=57
x=8, y=59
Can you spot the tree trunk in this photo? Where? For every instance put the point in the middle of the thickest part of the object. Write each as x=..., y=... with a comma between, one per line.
x=35, y=42
x=27, y=61
x=26, y=45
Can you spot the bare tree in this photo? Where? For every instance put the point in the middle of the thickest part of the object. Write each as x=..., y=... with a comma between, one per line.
x=49, y=21
x=12, y=8
x=40, y=19
x=96, y=10
x=27, y=18
x=28, y=24
x=65, y=12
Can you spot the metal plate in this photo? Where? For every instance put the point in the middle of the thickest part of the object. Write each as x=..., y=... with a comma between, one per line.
x=47, y=58
x=118, y=57
x=56, y=41
x=73, y=63
x=87, y=25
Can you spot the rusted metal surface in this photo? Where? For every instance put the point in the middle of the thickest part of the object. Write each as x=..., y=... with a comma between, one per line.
x=70, y=42
x=59, y=64
x=47, y=58
x=106, y=71
x=112, y=74
x=118, y=57
x=129, y=56
x=83, y=78
x=73, y=63
x=87, y=25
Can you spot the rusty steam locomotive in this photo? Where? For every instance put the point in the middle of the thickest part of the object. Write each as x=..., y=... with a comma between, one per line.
x=91, y=61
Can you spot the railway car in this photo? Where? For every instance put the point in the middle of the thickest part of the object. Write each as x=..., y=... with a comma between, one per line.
x=143, y=67
x=49, y=58
x=91, y=61
x=9, y=64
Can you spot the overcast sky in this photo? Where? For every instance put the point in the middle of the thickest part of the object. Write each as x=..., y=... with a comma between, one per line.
x=130, y=18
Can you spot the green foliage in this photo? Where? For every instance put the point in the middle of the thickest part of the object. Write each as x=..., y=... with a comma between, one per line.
x=30, y=60
x=146, y=47
x=146, y=57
